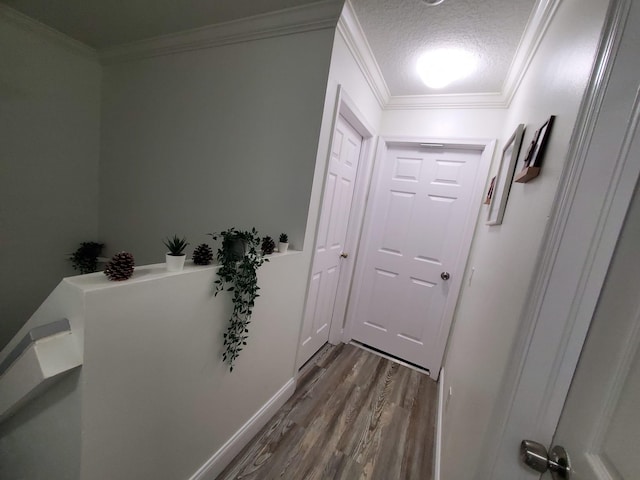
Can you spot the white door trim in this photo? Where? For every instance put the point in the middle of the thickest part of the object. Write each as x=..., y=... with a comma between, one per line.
x=585, y=274
x=346, y=108
x=487, y=146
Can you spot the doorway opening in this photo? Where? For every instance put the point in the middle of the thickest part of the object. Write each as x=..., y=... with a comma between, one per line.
x=417, y=205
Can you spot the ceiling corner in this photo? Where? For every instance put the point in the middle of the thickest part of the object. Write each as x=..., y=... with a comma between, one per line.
x=314, y=16
x=27, y=23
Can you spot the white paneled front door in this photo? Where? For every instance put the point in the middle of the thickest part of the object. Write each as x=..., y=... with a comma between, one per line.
x=412, y=242
x=330, y=240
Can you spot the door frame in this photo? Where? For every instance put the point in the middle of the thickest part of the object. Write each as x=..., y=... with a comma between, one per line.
x=487, y=147
x=553, y=329
x=346, y=107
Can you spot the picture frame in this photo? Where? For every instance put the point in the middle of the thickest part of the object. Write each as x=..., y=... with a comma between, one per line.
x=487, y=200
x=535, y=153
x=504, y=177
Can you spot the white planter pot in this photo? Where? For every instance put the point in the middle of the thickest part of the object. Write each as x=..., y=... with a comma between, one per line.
x=175, y=263
x=283, y=247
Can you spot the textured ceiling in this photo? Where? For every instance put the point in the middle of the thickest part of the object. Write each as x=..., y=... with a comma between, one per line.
x=400, y=30
x=106, y=23
x=397, y=30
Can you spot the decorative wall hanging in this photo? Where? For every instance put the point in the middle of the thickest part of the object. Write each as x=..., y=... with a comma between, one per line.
x=504, y=177
x=535, y=154
x=492, y=184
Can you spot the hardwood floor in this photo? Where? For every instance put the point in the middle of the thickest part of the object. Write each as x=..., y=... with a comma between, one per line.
x=354, y=415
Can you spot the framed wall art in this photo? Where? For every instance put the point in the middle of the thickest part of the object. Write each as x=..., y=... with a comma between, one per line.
x=487, y=200
x=502, y=184
x=535, y=154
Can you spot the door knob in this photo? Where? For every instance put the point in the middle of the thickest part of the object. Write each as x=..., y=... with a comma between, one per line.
x=344, y=255
x=445, y=276
x=534, y=455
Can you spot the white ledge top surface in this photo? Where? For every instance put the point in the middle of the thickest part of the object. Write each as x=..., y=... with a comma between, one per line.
x=144, y=273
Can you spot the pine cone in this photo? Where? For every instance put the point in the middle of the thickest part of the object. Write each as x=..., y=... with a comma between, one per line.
x=120, y=267
x=268, y=245
x=202, y=255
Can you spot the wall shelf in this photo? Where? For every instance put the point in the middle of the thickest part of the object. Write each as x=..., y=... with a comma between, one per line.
x=527, y=174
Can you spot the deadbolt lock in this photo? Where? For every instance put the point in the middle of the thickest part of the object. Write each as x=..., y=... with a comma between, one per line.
x=445, y=276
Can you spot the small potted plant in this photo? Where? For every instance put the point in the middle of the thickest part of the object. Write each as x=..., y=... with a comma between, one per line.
x=85, y=258
x=283, y=244
x=175, y=257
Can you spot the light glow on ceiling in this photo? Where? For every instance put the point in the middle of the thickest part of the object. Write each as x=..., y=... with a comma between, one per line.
x=439, y=68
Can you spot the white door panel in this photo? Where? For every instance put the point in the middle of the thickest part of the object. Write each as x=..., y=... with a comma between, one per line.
x=418, y=216
x=600, y=424
x=331, y=236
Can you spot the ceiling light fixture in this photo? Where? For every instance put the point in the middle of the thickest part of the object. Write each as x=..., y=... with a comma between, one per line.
x=432, y=3
x=438, y=68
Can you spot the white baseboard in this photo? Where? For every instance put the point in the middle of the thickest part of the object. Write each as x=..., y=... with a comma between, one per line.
x=217, y=463
x=440, y=413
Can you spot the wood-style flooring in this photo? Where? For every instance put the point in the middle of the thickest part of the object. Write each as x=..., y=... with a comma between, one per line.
x=354, y=415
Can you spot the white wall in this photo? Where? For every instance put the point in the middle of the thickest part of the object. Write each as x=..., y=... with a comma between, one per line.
x=487, y=123
x=157, y=400
x=200, y=141
x=504, y=256
x=346, y=72
x=153, y=399
x=49, y=146
x=42, y=440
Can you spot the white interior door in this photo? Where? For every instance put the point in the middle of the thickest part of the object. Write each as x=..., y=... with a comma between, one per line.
x=413, y=239
x=332, y=232
x=600, y=423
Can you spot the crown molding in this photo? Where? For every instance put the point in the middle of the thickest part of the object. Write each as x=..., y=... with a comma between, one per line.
x=534, y=32
x=24, y=22
x=315, y=16
x=453, y=100
x=351, y=31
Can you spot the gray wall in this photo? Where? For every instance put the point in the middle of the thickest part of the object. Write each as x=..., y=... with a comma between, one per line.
x=49, y=146
x=42, y=440
x=204, y=140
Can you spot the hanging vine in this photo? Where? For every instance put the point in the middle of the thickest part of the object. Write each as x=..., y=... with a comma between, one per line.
x=240, y=257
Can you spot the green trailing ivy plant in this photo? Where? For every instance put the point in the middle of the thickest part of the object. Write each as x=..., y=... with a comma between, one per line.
x=239, y=257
